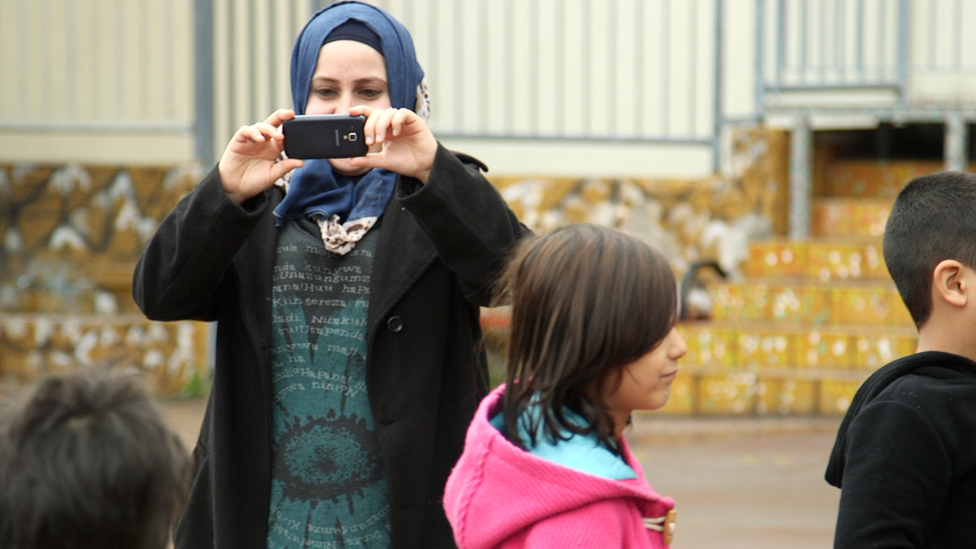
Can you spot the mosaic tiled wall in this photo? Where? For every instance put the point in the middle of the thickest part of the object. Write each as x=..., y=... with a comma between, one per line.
x=864, y=178
x=804, y=321
x=71, y=234
x=757, y=368
x=689, y=220
x=69, y=238
x=714, y=218
x=172, y=355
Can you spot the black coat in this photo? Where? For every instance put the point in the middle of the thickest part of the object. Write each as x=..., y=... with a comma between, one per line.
x=439, y=250
x=905, y=457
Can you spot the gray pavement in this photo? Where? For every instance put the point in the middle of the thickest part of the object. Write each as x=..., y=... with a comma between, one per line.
x=752, y=483
x=739, y=483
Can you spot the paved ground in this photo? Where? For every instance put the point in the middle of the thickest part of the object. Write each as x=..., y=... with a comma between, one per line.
x=743, y=483
x=738, y=483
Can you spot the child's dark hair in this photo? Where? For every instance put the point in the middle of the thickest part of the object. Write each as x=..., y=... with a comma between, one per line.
x=586, y=300
x=87, y=461
x=933, y=219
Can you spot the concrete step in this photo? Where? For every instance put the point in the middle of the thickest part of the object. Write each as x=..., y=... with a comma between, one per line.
x=849, y=217
x=741, y=368
x=764, y=368
x=748, y=347
x=809, y=302
x=819, y=259
x=705, y=392
x=873, y=178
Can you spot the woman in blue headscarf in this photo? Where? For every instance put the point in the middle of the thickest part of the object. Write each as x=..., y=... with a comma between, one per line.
x=347, y=296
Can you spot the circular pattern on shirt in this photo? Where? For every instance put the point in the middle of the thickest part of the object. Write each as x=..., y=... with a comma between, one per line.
x=327, y=459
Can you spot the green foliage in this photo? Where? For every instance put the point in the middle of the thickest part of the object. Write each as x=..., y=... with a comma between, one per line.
x=196, y=387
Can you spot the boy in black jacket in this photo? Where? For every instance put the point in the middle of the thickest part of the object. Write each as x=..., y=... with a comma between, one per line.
x=905, y=455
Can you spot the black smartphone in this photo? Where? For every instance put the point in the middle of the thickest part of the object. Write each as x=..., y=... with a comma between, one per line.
x=324, y=136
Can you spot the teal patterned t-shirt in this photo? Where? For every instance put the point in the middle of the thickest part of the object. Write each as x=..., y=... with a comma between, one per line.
x=328, y=487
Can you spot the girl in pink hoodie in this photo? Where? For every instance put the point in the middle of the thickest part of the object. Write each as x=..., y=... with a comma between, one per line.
x=592, y=339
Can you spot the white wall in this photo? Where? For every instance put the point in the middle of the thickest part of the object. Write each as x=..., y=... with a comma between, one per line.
x=600, y=83
x=586, y=159
x=96, y=81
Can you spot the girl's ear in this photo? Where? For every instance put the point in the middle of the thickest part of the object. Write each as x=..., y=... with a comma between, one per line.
x=951, y=282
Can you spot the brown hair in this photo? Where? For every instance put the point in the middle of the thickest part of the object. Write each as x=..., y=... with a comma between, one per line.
x=933, y=219
x=586, y=300
x=87, y=461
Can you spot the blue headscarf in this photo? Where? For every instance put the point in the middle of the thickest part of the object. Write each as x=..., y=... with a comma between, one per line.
x=315, y=190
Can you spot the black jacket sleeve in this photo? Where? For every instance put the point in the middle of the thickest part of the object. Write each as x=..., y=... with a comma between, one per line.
x=468, y=221
x=178, y=274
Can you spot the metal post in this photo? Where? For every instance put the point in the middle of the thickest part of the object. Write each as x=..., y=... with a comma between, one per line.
x=719, y=60
x=955, y=142
x=203, y=115
x=903, y=38
x=780, y=44
x=203, y=67
x=801, y=189
x=760, y=67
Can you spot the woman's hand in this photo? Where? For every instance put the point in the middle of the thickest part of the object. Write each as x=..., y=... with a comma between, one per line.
x=406, y=145
x=250, y=163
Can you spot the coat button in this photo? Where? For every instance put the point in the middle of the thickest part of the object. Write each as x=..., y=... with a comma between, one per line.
x=394, y=324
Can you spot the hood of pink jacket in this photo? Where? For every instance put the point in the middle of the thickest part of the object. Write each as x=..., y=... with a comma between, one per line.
x=498, y=489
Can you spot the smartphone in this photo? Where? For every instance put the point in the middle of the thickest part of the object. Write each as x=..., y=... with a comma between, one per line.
x=324, y=136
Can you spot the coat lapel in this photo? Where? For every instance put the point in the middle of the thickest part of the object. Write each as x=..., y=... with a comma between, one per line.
x=403, y=253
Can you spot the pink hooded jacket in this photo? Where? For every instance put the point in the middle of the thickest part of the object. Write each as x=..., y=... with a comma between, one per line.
x=500, y=496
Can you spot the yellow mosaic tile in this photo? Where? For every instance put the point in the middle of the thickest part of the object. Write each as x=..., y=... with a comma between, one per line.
x=798, y=304
x=824, y=349
x=683, y=399
x=836, y=395
x=776, y=258
x=765, y=349
x=725, y=394
x=866, y=306
x=708, y=345
x=740, y=302
x=777, y=396
x=170, y=354
x=827, y=261
x=872, y=351
x=849, y=217
x=871, y=178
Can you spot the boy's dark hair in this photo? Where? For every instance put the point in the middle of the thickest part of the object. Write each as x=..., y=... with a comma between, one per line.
x=933, y=219
x=87, y=461
x=586, y=300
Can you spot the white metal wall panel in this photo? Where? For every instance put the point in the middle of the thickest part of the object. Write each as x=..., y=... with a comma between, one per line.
x=580, y=69
x=96, y=64
x=547, y=70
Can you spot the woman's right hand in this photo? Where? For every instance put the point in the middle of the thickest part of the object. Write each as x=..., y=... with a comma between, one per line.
x=250, y=163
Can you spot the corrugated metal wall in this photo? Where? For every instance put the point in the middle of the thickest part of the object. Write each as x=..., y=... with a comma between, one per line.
x=96, y=65
x=630, y=70
x=639, y=70
x=552, y=69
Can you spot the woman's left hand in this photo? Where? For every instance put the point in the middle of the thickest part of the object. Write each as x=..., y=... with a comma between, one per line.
x=399, y=141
